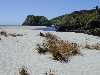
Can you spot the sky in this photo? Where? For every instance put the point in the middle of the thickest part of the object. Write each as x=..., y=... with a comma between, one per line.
x=14, y=12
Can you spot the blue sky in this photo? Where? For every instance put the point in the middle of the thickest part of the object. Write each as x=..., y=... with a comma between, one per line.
x=14, y=12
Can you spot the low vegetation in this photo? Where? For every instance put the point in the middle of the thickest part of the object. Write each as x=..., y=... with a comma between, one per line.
x=6, y=34
x=3, y=33
x=60, y=50
x=32, y=20
x=14, y=34
x=82, y=21
x=49, y=73
x=23, y=71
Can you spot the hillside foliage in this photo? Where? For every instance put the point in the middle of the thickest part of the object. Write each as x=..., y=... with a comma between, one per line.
x=32, y=20
x=86, y=21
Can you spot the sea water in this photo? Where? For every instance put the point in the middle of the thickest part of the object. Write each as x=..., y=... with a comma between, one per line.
x=9, y=26
x=44, y=28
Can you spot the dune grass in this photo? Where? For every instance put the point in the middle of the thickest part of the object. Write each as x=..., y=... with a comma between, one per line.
x=60, y=50
x=23, y=71
x=3, y=33
x=49, y=73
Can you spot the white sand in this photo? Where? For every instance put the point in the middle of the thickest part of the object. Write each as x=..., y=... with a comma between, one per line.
x=20, y=51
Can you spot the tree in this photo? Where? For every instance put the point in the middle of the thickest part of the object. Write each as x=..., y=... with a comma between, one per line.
x=32, y=20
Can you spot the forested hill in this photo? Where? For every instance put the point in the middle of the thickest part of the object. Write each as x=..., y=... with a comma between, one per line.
x=32, y=20
x=77, y=18
x=86, y=21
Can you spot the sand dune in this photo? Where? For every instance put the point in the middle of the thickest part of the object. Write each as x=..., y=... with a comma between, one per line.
x=20, y=51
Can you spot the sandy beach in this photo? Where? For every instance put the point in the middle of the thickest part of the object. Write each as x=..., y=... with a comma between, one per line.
x=19, y=51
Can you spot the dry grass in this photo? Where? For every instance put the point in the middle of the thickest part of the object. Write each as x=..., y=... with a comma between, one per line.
x=4, y=33
x=49, y=73
x=41, y=49
x=61, y=50
x=15, y=35
x=23, y=71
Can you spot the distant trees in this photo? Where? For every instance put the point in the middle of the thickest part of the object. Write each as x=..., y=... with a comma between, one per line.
x=32, y=20
x=76, y=19
x=83, y=20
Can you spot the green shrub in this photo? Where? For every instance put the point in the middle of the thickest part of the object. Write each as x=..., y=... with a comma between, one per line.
x=95, y=31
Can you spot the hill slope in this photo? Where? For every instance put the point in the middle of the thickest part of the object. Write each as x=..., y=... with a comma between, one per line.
x=86, y=21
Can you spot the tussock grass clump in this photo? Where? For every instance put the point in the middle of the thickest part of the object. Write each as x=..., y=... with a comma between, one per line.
x=49, y=73
x=61, y=50
x=41, y=34
x=23, y=71
x=41, y=49
x=4, y=33
x=50, y=36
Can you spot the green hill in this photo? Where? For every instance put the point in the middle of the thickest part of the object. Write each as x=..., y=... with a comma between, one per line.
x=32, y=20
x=77, y=19
x=86, y=21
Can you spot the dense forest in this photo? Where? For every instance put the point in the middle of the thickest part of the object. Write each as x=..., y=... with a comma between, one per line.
x=32, y=20
x=86, y=21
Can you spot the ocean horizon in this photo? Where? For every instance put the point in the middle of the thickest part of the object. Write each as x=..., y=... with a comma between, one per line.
x=9, y=26
x=44, y=28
